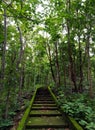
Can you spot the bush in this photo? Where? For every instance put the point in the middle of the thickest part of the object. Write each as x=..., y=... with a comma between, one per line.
x=5, y=123
x=80, y=107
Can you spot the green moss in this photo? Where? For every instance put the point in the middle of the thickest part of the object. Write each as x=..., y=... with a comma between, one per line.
x=72, y=121
x=44, y=112
x=25, y=116
x=45, y=121
x=52, y=95
x=44, y=105
x=75, y=124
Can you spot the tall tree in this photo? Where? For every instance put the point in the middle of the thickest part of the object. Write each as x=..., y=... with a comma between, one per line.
x=71, y=61
x=4, y=49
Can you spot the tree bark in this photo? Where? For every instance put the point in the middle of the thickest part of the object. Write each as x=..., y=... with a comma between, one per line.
x=71, y=62
x=50, y=61
x=65, y=82
x=80, y=88
x=57, y=64
x=4, y=52
x=21, y=46
x=89, y=64
x=20, y=62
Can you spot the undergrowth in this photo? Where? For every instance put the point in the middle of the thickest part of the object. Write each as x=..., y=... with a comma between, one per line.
x=79, y=106
x=14, y=108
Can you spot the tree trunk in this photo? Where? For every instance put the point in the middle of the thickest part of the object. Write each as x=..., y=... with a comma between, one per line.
x=80, y=88
x=20, y=62
x=65, y=83
x=57, y=64
x=3, y=52
x=21, y=47
x=62, y=67
x=71, y=62
x=89, y=65
x=50, y=61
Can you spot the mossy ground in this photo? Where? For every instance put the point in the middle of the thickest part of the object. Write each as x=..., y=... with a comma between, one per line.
x=44, y=121
x=44, y=112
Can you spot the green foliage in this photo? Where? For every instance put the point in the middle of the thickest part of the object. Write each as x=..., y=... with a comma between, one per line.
x=5, y=123
x=75, y=124
x=42, y=23
x=90, y=126
x=80, y=107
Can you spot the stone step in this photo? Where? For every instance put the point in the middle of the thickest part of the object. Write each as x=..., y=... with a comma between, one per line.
x=42, y=99
x=46, y=122
x=45, y=113
x=43, y=94
x=44, y=105
x=44, y=108
x=48, y=128
x=45, y=102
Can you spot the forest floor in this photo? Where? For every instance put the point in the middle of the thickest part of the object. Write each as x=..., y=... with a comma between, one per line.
x=19, y=113
x=16, y=120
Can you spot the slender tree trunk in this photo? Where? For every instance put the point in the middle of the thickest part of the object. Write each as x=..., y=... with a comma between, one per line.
x=57, y=64
x=21, y=46
x=80, y=67
x=62, y=68
x=80, y=86
x=71, y=62
x=3, y=65
x=65, y=83
x=20, y=62
x=50, y=61
x=4, y=52
x=89, y=64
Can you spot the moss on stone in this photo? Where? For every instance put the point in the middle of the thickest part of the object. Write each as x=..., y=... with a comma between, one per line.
x=44, y=105
x=44, y=112
x=72, y=121
x=52, y=95
x=45, y=121
x=75, y=124
x=25, y=116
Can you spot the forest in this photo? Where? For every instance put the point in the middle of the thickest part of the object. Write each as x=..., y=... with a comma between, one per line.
x=47, y=43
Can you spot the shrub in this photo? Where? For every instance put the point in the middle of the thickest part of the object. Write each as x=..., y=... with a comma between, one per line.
x=80, y=107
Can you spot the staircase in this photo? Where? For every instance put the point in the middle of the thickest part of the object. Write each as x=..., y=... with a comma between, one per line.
x=44, y=114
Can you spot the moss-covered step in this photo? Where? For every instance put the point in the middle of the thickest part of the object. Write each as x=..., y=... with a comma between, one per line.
x=45, y=113
x=44, y=108
x=42, y=99
x=44, y=105
x=43, y=94
x=45, y=102
x=45, y=98
x=49, y=129
x=45, y=122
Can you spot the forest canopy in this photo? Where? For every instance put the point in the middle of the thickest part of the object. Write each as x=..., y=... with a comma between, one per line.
x=48, y=43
